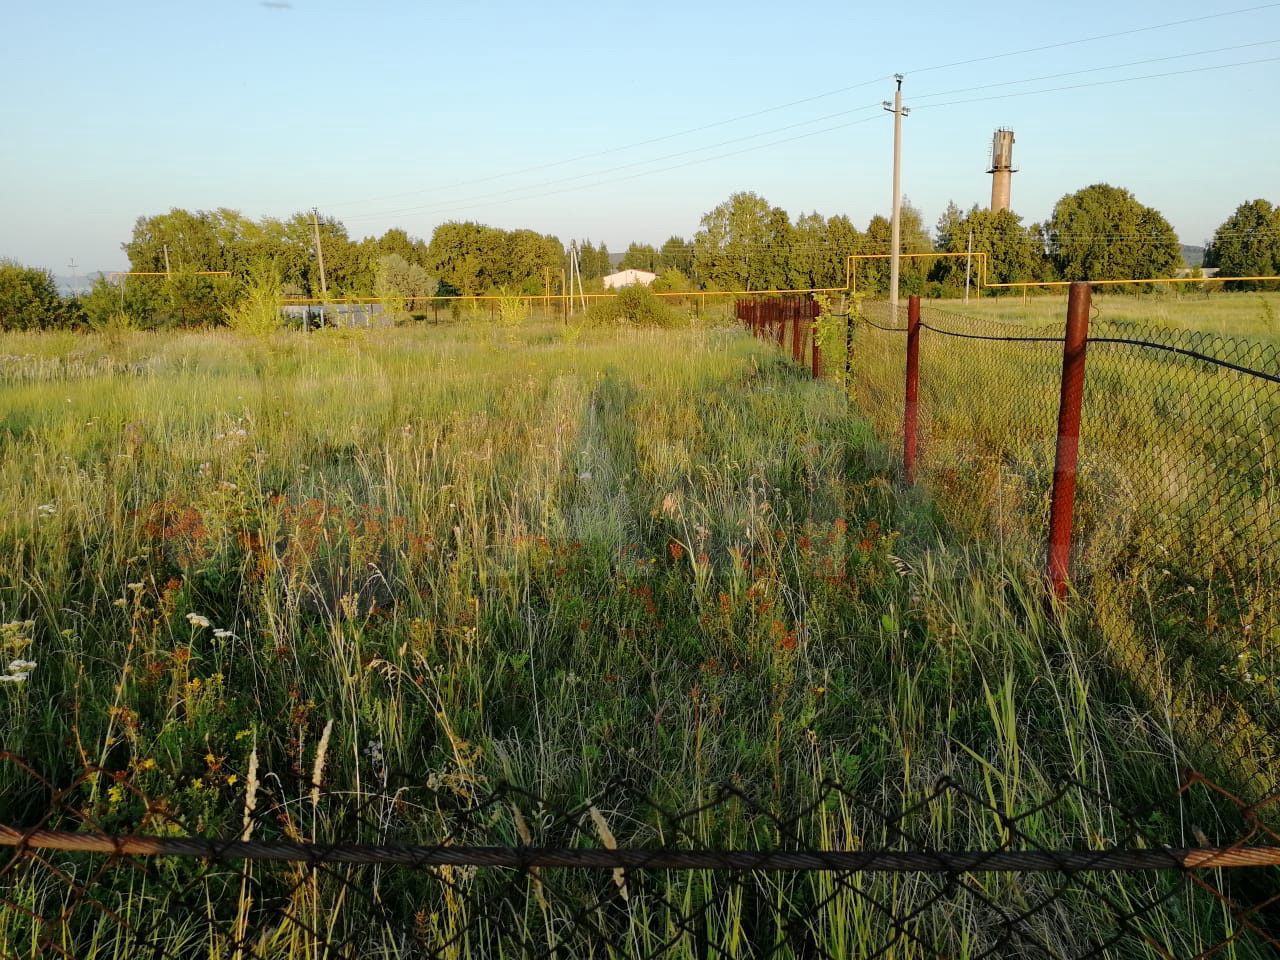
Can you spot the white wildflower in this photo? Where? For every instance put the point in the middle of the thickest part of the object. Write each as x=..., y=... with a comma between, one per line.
x=46, y=509
x=135, y=586
x=21, y=666
x=196, y=620
x=13, y=678
x=224, y=634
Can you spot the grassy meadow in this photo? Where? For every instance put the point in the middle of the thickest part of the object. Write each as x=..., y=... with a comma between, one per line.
x=1176, y=545
x=415, y=564
x=1253, y=315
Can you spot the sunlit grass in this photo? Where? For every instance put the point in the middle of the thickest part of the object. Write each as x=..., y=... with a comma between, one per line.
x=530, y=557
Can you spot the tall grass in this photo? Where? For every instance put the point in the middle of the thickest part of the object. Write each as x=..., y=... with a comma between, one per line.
x=434, y=562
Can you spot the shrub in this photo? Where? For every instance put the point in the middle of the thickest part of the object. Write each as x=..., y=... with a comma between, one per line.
x=634, y=306
x=257, y=312
x=29, y=299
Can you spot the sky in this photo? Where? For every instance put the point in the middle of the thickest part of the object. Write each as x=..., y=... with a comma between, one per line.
x=614, y=122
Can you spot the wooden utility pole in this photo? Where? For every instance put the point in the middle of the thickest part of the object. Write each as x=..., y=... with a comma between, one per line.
x=895, y=249
x=324, y=285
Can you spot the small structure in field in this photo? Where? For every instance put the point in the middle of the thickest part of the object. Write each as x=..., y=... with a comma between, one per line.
x=629, y=278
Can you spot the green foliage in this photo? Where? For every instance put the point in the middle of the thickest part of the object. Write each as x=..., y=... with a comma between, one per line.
x=1103, y=233
x=258, y=312
x=471, y=258
x=635, y=306
x=743, y=244
x=29, y=299
x=676, y=254
x=1014, y=252
x=873, y=275
x=671, y=281
x=513, y=309
x=593, y=261
x=641, y=256
x=405, y=286
x=1247, y=244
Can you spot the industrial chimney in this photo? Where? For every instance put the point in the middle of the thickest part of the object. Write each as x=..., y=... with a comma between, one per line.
x=1001, y=168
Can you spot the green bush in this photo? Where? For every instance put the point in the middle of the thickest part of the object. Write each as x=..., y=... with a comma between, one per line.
x=29, y=299
x=635, y=306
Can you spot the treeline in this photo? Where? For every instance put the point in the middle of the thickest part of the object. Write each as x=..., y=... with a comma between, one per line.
x=1097, y=233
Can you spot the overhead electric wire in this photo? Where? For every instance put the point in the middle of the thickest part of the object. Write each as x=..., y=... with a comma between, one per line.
x=429, y=207
x=809, y=99
x=916, y=97
x=1096, y=83
x=452, y=206
x=626, y=146
x=647, y=173
x=1101, y=36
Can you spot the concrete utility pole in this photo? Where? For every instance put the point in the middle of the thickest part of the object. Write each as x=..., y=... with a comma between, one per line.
x=75, y=279
x=168, y=274
x=324, y=284
x=895, y=250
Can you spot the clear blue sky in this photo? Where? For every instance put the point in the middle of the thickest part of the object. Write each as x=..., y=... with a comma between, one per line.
x=115, y=110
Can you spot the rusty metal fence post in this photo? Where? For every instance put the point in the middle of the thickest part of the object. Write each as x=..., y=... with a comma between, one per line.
x=1065, y=465
x=797, y=333
x=910, y=415
x=813, y=310
x=848, y=349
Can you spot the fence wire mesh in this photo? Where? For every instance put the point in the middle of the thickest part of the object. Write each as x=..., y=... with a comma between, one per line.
x=96, y=867
x=1176, y=538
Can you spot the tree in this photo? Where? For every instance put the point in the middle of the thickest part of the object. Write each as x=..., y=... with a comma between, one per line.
x=1103, y=233
x=1014, y=252
x=677, y=255
x=465, y=256
x=29, y=299
x=873, y=275
x=593, y=261
x=1247, y=244
x=397, y=278
x=641, y=256
x=743, y=244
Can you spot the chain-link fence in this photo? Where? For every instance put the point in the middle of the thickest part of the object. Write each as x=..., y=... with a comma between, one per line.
x=94, y=867
x=1175, y=540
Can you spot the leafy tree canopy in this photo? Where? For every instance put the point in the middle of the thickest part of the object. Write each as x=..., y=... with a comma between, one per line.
x=1247, y=244
x=1103, y=233
x=29, y=299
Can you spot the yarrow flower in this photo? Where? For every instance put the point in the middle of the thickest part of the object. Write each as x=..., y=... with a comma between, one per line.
x=21, y=666
x=222, y=634
x=196, y=620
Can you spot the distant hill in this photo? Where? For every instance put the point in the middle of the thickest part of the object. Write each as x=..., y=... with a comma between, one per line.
x=1194, y=256
x=80, y=283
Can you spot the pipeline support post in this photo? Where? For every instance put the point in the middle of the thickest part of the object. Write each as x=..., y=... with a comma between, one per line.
x=911, y=408
x=1062, y=500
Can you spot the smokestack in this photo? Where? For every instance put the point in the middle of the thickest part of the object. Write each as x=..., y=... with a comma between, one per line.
x=1001, y=168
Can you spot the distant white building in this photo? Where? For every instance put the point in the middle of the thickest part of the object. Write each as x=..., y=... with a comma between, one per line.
x=629, y=278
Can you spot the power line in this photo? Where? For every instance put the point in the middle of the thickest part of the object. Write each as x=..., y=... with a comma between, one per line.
x=452, y=204
x=464, y=204
x=809, y=99
x=625, y=146
x=1114, y=66
x=1097, y=83
x=1101, y=36
x=647, y=173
